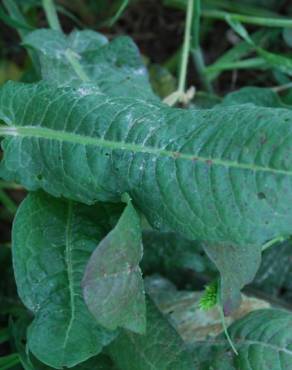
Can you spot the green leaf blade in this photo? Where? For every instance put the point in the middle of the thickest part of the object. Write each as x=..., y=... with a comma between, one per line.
x=160, y=348
x=9, y=361
x=221, y=176
x=88, y=56
x=49, y=262
x=237, y=267
x=102, y=153
x=112, y=285
x=262, y=339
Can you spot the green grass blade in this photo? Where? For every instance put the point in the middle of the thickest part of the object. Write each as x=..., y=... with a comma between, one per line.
x=7, y=362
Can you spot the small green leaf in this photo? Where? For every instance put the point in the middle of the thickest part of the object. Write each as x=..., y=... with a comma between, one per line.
x=237, y=267
x=210, y=297
x=52, y=46
x=239, y=29
x=115, y=67
x=113, y=285
x=160, y=348
x=52, y=241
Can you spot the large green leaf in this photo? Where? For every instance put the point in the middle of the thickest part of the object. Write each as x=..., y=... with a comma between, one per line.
x=115, y=67
x=160, y=349
x=100, y=362
x=221, y=175
x=207, y=162
x=29, y=362
x=112, y=285
x=52, y=241
x=263, y=340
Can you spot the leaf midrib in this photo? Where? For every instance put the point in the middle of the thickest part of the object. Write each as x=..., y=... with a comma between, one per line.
x=50, y=134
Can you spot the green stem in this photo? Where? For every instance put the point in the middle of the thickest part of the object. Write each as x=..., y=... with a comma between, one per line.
x=14, y=12
x=118, y=14
x=7, y=362
x=10, y=185
x=51, y=15
x=186, y=48
x=16, y=15
x=222, y=317
x=196, y=50
x=7, y=202
x=258, y=21
x=240, y=64
x=196, y=25
x=73, y=60
x=225, y=5
x=226, y=330
x=270, y=243
x=201, y=69
x=282, y=87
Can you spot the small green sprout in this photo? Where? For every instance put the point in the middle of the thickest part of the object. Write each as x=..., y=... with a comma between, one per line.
x=210, y=296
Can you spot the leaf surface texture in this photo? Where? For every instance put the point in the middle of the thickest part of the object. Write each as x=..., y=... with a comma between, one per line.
x=52, y=241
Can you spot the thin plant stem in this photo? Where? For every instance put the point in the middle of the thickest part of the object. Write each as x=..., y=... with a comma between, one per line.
x=73, y=60
x=9, y=361
x=223, y=322
x=186, y=48
x=256, y=62
x=54, y=23
x=15, y=13
x=199, y=63
x=10, y=185
x=7, y=202
x=196, y=50
x=270, y=243
x=282, y=87
x=195, y=42
x=225, y=329
x=258, y=21
x=51, y=14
